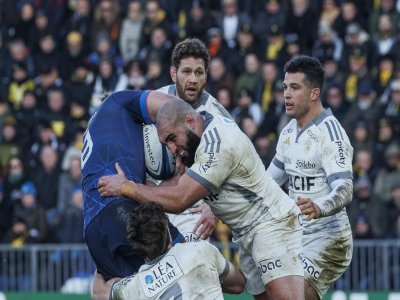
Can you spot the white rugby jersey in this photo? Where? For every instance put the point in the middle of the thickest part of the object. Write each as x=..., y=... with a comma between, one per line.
x=227, y=164
x=206, y=102
x=186, y=271
x=313, y=157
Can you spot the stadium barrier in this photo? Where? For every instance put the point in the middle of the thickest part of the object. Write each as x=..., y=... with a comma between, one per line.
x=69, y=268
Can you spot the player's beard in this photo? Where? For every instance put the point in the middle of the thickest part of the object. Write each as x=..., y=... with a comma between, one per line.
x=192, y=143
x=181, y=94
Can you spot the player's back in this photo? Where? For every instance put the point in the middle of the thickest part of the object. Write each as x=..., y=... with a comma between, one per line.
x=112, y=136
x=186, y=271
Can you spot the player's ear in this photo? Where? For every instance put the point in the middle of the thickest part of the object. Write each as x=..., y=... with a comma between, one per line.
x=315, y=93
x=172, y=72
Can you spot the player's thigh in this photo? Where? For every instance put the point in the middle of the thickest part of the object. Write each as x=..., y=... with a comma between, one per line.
x=276, y=248
x=325, y=258
x=254, y=284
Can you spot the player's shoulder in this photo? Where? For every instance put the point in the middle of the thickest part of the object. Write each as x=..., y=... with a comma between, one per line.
x=168, y=89
x=212, y=105
x=197, y=248
x=329, y=126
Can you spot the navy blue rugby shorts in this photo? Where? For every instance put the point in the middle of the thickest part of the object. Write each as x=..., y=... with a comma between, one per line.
x=106, y=239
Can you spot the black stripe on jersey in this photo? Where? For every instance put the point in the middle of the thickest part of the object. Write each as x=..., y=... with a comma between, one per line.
x=212, y=140
x=339, y=129
x=329, y=130
x=334, y=129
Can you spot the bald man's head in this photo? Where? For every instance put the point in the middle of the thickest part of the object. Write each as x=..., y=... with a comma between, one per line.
x=173, y=112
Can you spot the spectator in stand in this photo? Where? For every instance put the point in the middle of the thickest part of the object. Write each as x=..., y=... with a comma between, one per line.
x=328, y=44
x=199, y=21
x=129, y=39
x=18, y=53
x=155, y=77
x=384, y=41
x=26, y=22
x=133, y=78
x=219, y=76
x=251, y=76
x=224, y=96
x=40, y=27
x=230, y=19
x=46, y=80
x=264, y=90
x=56, y=10
x=48, y=52
x=70, y=229
x=384, y=75
x=349, y=14
x=360, y=137
x=362, y=229
x=364, y=203
x=73, y=56
x=106, y=19
x=246, y=107
x=392, y=109
x=392, y=215
x=9, y=146
x=388, y=174
x=335, y=100
x=364, y=165
x=80, y=20
x=334, y=75
x=32, y=212
x=272, y=14
x=386, y=7
x=67, y=181
x=15, y=176
x=20, y=83
x=330, y=12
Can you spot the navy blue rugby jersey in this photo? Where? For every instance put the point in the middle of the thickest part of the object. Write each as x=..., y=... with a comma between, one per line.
x=114, y=134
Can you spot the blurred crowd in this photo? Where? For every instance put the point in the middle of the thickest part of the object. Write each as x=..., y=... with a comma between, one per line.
x=59, y=58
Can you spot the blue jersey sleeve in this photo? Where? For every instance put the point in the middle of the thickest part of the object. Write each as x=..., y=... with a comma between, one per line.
x=135, y=101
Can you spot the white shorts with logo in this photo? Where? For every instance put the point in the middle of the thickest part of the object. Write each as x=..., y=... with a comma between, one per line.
x=272, y=250
x=185, y=222
x=325, y=258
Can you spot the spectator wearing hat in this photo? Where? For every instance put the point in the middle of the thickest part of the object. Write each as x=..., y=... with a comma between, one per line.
x=32, y=212
x=362, y=229
x=199, y=21
x=46, y=80
x=272, y=43
x=20, y=83
x=217, y=45
x=366, y=205
x=74, y=54
x=291, y=48
x=388, y=174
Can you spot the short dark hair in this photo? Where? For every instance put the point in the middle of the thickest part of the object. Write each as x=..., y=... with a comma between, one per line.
x=314, y=74
x=147, y=231
x=190, y=48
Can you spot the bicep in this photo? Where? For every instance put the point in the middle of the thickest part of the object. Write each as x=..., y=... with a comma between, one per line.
x=190, y=189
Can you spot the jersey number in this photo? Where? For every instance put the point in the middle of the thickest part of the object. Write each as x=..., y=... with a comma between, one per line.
x=87, y=148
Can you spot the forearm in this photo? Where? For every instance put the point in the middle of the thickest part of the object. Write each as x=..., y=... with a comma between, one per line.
x=167, y=196
x=340, y=196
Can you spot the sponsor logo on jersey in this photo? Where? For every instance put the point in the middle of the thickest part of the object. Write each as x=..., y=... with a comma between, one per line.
x=207, y=165
x=300, y=183
x=287, y=141
x=312, y=136
x=160, y=276
x=287, y=131
x=311, y=268
x=267, y=265
x=191, y=237
x=287, y=160
x=304, y=165
x=340, y=158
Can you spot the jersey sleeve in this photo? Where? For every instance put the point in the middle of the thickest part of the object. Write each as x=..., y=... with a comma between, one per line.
x=214, y=160
x=135, y=102
x=221, y=264
x=337, y=152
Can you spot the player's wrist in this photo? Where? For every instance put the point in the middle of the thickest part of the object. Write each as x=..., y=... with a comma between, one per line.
x=128, y=188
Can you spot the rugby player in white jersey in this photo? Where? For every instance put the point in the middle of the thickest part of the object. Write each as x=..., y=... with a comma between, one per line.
x=315, y=155
x=225, y=170
x=189, y=64
x=185, y=271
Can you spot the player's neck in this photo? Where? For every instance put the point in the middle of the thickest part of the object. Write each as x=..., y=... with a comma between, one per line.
x=310, y=115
